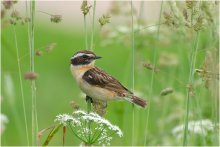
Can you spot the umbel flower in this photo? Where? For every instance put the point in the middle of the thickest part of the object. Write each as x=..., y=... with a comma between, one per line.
x=199, y=127
x=100, y=131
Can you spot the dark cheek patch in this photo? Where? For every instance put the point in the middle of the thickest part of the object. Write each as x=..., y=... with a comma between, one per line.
x=74, y=61
x=80, y=61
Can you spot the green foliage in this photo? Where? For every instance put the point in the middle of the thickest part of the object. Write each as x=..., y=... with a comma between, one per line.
x=56, y=87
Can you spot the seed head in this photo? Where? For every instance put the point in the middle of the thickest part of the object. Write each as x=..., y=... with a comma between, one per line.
x=15, y=14
x=30, y=76
x=56, y=18
x=190, y=4
x=12, y=22
x=166, y=91
x=168, y=19
x=38, y=53
x=199, y=24
x=50, y=47
x=74, y=105
x=8, y=4
x=191, y=89
x=104, y=19
x=2, y=13
x=27, y=19
x=185, y=14
x=85, y=7
x=151, y=67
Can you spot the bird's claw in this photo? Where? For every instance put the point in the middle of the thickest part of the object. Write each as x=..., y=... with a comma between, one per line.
x=89, y=99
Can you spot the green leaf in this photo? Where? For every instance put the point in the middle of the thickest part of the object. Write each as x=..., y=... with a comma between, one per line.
x=52, y=133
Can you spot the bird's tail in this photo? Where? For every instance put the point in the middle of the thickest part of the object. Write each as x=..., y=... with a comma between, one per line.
x=138, y=101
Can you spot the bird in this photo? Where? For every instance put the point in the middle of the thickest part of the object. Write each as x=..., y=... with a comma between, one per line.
x=96, y=83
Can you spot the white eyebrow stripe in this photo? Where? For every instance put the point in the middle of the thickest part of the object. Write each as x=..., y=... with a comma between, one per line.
x=81, y=54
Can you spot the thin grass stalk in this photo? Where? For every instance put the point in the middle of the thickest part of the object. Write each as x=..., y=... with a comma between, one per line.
x=152, y=75
x=87, y=97
x=190, y=81
x=21, y=85
x=133, y=56
x=93, y=26
x=86, y=33
x=33, y=85
x=215, y=93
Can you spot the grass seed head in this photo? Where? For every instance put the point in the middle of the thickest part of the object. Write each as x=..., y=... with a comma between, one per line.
x=7, y=4
x=27, y=19
x=50, y=47
x=85, y=7
x=56, y=18
x=190, y=4
x=191, y=89
x=15, y=14
x=38, y=53
x=166, y=91
x=104, y=19
x=30, y=76
x=74, y=105
x=3, y=12
x=151, y=67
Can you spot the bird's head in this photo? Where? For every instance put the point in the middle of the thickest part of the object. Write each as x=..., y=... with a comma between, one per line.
x=84, y=58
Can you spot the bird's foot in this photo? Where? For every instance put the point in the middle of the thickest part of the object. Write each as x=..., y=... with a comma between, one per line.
x=89, y=99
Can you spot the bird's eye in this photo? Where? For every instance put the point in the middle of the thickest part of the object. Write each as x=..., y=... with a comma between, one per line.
x=84, y=56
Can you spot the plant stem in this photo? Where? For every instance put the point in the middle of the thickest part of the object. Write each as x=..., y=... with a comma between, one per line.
x=152, y=75
x=76, y=134
x=190, y=81
x=133, y=52
x=89, y=101
x=86, y=35
x=21, y=85
x=93, y=25
x=33, y=86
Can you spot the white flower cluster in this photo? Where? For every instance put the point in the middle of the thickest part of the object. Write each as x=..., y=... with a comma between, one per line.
x=201, y=127
x=66, y=118
x=3, y=121
x=79, y=121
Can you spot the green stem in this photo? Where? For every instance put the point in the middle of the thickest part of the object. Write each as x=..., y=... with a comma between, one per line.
x=133, y=52
x=93, y=25
x=93, y=141
x=86, y=33
x=190, y=81
x=21, y=85
x=76, y=134
x=152, y=75
x=89, y=101
x=33, y=86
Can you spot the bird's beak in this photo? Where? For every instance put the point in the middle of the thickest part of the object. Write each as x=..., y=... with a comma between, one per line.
x=98, y=57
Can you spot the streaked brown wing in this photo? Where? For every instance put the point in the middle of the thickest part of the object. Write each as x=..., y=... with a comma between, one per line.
x=99, y=78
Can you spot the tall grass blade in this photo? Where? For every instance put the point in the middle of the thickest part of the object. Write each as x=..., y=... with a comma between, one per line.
x=32, y=69
x=21, y=85
x=190, y=82
x=86, y=33
x=152, y=75
x=93, y=26
x=133, y=54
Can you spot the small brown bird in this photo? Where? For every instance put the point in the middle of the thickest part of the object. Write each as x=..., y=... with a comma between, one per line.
x=96, y=83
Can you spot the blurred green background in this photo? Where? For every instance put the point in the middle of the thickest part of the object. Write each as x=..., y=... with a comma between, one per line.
x=56, y=87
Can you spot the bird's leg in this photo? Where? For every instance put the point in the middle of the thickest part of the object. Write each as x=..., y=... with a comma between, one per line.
x=88, y=98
